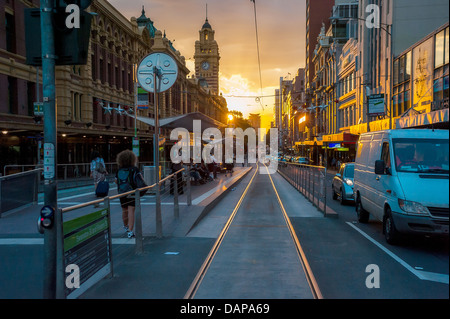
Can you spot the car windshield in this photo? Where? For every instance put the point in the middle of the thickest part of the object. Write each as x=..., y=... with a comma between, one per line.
x=421, y=155
x=349, y=171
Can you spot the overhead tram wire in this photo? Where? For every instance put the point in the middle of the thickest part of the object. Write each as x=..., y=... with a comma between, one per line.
x=259, y=59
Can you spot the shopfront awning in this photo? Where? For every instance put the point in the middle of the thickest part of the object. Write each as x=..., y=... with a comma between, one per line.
x=183, y=121
x=343, y=138
x=436, y=117
x=309, y=143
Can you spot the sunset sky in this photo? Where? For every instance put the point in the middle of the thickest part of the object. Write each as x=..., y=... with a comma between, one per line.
x=281, y=28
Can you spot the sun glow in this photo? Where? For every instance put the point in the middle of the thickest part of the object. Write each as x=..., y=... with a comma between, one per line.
x=244, y=96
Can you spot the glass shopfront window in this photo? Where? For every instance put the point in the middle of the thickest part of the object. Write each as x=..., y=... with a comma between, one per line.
x=438, y=89
x=439, y=49
x=445, y=86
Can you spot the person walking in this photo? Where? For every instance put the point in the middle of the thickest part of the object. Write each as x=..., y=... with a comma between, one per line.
x=126, y=177
x=98, y=170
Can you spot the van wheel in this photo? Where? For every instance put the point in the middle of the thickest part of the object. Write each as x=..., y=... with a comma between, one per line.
x=363, y=215
x=390, y=232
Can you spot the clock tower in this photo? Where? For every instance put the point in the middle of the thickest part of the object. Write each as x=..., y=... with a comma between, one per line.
x=207, y=59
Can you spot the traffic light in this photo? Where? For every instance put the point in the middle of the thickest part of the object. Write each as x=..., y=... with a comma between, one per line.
x=46, y=218
x=71, y=44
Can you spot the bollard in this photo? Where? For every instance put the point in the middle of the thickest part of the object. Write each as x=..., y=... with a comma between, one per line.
x=107, y=203
x=176, y=207
x=138, y=224
x=158, y=212
x=188, y=188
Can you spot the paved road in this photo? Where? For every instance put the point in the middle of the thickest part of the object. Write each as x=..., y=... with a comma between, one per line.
x=339, y=250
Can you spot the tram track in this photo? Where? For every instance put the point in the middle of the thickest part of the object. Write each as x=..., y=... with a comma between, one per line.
x=313, y=286
x=204, y=268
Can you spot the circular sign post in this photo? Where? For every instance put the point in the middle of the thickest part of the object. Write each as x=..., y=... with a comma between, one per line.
x=163, y=66
x=157, y=73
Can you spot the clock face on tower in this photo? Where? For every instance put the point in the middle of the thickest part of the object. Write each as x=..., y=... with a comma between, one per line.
x=205, y=66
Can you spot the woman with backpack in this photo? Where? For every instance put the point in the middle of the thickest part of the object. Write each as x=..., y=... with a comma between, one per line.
x=98, y=169
x=126, y=179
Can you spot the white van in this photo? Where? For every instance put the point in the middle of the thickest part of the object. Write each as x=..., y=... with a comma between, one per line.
x=402, y=179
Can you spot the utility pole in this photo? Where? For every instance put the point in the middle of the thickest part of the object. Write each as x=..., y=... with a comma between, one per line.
x=50, y=145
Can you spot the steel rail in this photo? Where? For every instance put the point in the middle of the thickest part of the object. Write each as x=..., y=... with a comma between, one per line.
x=190, y=294
x=301, y=254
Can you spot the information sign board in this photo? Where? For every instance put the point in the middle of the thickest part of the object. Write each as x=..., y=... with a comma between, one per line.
x=87, y=246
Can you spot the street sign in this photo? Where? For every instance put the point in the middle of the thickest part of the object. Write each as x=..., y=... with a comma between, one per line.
x=87, y=245
x=38, y=108
x=142, y=99
x=376, y=105
x=49, y=160
x=136, y=146
x=166, y=68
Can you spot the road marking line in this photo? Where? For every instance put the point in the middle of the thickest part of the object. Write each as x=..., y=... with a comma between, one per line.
x=21, y=241
x=422, y=275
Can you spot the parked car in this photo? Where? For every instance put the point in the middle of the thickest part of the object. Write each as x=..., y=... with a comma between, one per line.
x=402, y=179
x=342, y=184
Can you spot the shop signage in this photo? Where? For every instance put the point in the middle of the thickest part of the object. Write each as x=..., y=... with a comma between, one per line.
x=376, y=105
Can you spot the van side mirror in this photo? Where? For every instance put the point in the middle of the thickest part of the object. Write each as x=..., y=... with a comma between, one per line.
x=380, y=167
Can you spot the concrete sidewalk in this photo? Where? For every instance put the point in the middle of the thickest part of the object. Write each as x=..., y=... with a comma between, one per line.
x=23, y=222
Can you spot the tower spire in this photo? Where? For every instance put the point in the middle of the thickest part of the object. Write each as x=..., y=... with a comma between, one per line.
x=206, y=11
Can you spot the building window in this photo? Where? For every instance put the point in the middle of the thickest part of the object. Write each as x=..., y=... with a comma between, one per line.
x=102, y=71
x=439, y=49
x=446, y=89
x=93, y=67
x=12, y=95
x=407, y=100
x=31, y=93
x=10, y=29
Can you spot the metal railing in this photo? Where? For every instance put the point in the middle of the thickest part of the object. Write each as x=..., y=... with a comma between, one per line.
x=310, y=180
x=74, y=170
x=161, y=191
x=80, y=213
x=19, y=190
x=77, y=174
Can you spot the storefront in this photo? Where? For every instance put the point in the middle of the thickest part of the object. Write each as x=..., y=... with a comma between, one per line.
x=340, y=147
x=421, y=83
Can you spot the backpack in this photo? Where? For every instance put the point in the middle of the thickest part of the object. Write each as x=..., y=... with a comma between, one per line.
x=100, y=166
x=124, y=180
x=129, y=179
